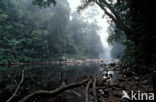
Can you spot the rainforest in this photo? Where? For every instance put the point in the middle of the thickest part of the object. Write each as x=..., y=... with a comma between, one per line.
x=77, y=50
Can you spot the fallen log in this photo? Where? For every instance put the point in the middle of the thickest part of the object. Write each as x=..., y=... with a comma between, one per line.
x=55, y=92
x=94, y=88
x=74, y=92
x=87, y=89
x=82, y=78
x=16, y=90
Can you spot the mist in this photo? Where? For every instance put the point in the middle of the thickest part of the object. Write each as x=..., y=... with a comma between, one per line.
x=76, y=50
x=95, y=15
x=59, y=30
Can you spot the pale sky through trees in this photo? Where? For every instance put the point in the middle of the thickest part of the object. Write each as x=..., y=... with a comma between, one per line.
x=96, y=18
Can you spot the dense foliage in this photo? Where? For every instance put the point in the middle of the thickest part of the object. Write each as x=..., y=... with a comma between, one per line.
x=138, y=15
x=134, y=19
x=31, y=33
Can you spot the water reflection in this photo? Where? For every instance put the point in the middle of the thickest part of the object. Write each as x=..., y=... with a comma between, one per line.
x=37, y=77
x=40, y=77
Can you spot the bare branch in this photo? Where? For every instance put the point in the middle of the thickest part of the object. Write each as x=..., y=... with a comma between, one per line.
x=87, y=89
x=94, y=89
x=62, y=88
x=14, y=94
x=117, y=20
x=106, y=12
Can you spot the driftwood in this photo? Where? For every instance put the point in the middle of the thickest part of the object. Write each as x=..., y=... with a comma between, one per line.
x=16, y=90
x=74, y=92
x=97, y=89
x=94, y=89
x=84, y=80
x=87, y=89
x=53, y=92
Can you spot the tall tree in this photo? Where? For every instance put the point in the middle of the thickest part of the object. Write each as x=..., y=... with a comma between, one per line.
x=110, y=11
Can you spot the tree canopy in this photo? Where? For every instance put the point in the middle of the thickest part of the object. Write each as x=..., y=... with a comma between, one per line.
x=30, y=33
x=134, y=19
x=131, y=19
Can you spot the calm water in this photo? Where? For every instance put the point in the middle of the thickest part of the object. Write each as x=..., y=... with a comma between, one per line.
x=46, y=77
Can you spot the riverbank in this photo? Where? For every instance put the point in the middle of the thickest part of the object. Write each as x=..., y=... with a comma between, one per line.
x=98, y=87
x=111, y=80
x=64, y=61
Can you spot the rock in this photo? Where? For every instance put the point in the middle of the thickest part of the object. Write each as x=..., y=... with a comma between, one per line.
x=100, y=91
x=103, y=65
x=106, y=92
x=112, y=64
x=113, y=83
x=117, y=69
x=63, y=58
x=101, y=60
x=121, y=80
x=146, y=82
x=123, y=71
x=136, y=78
x=129, y=74
x=124, y=76
x=129, y=79
x=106, y=74
x=110, y=75
x=118, y=94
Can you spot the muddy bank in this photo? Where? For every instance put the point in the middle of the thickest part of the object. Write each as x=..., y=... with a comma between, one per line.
x=128, y=82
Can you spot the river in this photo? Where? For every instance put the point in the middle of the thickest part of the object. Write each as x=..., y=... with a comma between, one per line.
x=45, y=77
